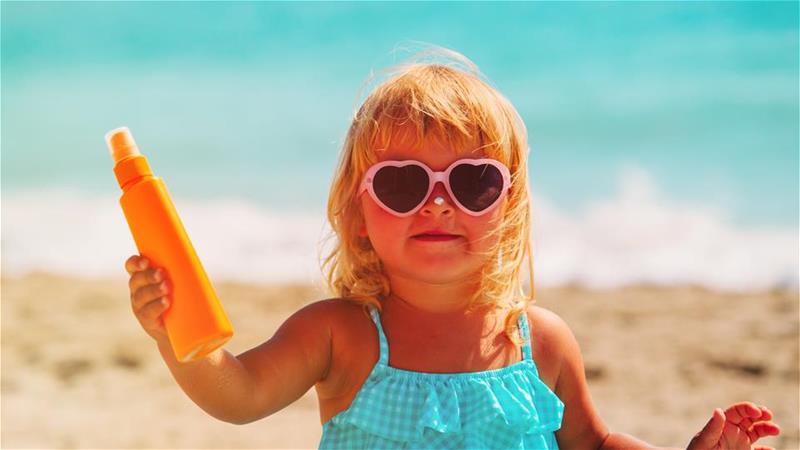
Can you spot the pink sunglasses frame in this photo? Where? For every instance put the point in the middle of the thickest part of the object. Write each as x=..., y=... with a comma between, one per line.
x=435, y=177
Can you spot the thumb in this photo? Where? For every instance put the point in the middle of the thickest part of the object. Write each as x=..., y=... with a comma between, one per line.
x=709, y=436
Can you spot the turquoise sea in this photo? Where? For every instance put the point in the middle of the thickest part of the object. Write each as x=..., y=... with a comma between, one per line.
x=664, y=135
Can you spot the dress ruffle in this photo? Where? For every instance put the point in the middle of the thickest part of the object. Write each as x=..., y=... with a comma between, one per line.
x=507, y=408
x=513, y=401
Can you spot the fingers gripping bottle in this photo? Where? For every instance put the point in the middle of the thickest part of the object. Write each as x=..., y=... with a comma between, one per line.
x=195, y=321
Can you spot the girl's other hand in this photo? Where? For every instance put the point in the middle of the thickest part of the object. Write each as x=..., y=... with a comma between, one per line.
x=149, y=290
x=737, y=428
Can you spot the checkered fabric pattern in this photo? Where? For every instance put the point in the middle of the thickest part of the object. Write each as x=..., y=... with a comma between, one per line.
x=507, y=408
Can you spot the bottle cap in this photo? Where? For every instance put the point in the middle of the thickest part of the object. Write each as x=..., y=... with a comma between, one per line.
x=121, y=144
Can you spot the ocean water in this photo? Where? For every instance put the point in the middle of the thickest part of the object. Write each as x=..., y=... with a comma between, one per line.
x=664, y=136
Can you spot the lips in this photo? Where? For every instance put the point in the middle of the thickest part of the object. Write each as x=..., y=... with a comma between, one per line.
x=435, y=235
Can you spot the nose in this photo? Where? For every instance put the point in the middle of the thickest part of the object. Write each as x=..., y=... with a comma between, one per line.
x=431, y=208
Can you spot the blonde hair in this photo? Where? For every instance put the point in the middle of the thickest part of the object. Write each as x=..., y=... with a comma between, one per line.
x=451, y=100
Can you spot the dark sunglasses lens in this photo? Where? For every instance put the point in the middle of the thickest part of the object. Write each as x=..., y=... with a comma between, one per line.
x=476, y=187
x=401, y=188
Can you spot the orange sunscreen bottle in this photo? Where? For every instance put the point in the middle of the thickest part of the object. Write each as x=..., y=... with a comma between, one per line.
x=195, y=321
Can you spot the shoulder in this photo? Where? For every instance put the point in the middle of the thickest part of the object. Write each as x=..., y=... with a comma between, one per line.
x=352, y=340
x=331, y=312
x=333, y=308
x=325, y=324
x=547, y=325
x=336, y=317
x=548, y=329
x=552, y=341
x=582, y=426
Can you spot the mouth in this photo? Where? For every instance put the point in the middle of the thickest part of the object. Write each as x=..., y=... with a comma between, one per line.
x=435, y=237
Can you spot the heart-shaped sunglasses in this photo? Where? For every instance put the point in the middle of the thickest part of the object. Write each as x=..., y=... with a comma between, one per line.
x=401, y=187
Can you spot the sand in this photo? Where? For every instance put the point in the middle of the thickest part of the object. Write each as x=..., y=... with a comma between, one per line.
x=78, y=372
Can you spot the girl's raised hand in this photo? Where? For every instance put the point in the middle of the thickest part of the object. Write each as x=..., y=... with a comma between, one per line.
x=149, y=291
x=737, y=428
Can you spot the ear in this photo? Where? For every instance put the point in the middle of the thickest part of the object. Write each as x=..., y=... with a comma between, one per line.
x=362, y=230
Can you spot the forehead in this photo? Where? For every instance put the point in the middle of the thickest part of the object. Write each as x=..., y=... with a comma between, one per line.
x=433, y=149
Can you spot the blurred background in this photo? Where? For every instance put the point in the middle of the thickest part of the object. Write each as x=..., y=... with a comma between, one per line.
x=664, y=157
x=664, y=136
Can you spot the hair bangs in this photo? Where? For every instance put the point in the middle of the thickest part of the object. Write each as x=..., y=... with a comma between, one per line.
x=425, y=101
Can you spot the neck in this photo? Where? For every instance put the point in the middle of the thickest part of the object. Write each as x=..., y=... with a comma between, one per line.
x=429, y=299
x=423, y=309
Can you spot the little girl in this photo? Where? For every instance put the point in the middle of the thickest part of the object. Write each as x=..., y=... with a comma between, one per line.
x=431, y=341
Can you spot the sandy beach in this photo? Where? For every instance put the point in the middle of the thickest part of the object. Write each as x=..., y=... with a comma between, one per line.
x=78, y=372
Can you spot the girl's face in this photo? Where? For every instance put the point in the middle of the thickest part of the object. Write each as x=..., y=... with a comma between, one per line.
x=400, y=242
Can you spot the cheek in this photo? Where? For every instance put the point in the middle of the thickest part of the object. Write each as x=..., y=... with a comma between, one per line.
x=481, y=229
x=379, y=225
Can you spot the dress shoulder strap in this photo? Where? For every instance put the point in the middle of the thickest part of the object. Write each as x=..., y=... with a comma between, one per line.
x=524, y=330
x=384, y=344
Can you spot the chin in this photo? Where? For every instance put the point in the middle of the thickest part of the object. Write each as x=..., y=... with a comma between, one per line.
x=444, y=273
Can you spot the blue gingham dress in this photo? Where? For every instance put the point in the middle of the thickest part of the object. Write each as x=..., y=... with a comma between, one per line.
x=506, y=408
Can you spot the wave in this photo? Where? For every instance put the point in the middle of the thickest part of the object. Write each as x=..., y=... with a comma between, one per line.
x=639, y=237
x=633, y=237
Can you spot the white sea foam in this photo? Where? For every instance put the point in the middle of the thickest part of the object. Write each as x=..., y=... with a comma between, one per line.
x=639, y=237
x=82, y=234
x=636, y=236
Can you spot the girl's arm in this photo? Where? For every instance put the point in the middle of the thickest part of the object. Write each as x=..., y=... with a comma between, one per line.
x=625, y=442
x=739, y=426
x=582, y=427
x=240, y=389
x=263, y=380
